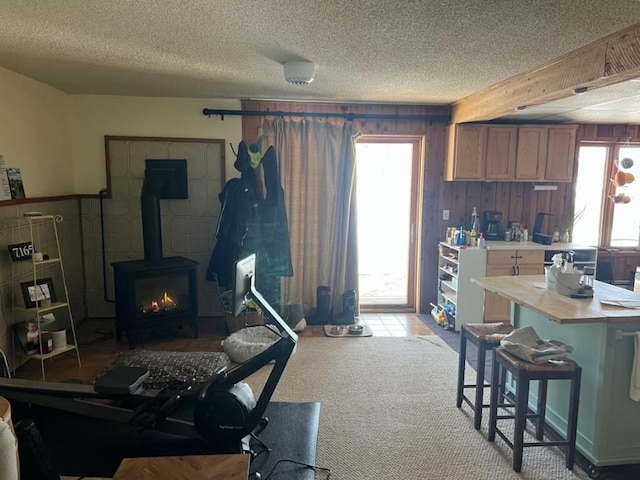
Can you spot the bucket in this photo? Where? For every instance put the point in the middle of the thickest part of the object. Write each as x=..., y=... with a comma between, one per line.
x=59, y=339
x=563, y=283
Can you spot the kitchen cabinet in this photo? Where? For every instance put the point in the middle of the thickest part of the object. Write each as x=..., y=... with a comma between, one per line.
x=545, y=153
x=512, y=263
x=511, y=153
x=561, y=146
x=456, y=266
x=531, y=155
x=465, y=152
x=500, y=155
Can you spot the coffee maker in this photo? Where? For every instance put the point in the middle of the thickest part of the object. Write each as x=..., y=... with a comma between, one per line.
x=491, y=228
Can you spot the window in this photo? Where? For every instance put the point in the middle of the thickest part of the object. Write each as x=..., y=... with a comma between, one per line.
x=608, y=195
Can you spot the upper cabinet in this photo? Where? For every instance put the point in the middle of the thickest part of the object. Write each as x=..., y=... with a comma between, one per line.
x=561, y=148
x=466, y=152
x=532, y=153
x=511, y=153
x=500, y=157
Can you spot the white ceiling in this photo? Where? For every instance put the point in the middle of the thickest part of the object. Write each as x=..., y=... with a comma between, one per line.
x=374, y=51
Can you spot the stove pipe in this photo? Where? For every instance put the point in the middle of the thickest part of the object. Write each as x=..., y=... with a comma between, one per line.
x=151, y=224
x=162, y=179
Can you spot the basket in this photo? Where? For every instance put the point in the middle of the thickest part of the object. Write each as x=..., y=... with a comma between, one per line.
x=562, y=282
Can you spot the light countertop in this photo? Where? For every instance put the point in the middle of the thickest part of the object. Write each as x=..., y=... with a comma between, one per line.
x=525, y=290
x=499, y=245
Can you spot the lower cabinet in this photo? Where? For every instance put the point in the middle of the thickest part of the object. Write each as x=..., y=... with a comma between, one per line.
x=504, y=263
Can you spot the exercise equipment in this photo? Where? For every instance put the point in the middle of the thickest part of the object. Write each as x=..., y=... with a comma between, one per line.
x=223, y=412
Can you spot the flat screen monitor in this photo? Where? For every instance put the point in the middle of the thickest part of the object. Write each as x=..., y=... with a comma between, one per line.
x=244, y=289
x=243, y=279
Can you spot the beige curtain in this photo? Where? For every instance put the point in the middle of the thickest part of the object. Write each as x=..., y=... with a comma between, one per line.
x=316, y=159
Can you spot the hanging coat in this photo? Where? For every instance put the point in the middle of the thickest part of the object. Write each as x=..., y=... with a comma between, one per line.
x=252, y=223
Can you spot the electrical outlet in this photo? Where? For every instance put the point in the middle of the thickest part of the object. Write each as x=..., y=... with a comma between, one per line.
x=445, y=214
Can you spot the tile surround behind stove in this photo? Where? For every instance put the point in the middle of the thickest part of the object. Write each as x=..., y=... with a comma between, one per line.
x=188, y=226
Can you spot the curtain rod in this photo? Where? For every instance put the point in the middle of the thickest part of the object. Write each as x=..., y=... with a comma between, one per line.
x=349, y=116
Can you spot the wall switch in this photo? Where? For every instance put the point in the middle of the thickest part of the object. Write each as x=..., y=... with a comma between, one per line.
x=445, y=214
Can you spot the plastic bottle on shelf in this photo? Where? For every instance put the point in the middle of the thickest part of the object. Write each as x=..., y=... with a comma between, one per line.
x=481, y=241
x=473, y=238
x=475, y=225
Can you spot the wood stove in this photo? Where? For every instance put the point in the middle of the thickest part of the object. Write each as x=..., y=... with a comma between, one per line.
x=154, y=295
x=157, y=292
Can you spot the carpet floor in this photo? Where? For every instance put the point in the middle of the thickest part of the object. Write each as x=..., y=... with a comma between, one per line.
x=388, y=412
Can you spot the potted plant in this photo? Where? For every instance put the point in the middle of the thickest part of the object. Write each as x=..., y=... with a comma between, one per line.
x=567, y=222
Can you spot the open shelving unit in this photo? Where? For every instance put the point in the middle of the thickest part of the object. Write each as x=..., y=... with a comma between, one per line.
x=42, y=303
x=456, y=266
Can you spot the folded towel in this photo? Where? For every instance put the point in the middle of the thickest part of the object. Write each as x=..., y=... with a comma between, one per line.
x=525, y=344
x=634, y=385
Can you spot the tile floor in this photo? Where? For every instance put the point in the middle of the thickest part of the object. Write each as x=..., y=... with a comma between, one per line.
x=383, y=325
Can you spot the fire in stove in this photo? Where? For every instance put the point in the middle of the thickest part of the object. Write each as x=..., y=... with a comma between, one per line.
x=164, y=304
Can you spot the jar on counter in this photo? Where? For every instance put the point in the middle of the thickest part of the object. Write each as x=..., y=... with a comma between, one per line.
x=507, y=235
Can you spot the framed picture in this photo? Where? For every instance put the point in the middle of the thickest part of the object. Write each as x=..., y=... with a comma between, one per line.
x=28, y=335
x=41, y=289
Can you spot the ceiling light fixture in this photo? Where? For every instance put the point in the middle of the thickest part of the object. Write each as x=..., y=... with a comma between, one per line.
x=299, y=72
x=580, y=91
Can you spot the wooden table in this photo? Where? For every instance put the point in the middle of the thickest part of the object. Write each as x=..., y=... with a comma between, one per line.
x=191, y=467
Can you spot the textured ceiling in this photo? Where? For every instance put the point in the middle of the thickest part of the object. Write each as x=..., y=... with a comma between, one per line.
x=400, y=51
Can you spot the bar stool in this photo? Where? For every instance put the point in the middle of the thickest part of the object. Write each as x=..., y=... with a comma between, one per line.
x=523, y=373
x=485, y=336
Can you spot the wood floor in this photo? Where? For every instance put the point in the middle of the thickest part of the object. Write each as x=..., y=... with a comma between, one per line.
x=98, y=347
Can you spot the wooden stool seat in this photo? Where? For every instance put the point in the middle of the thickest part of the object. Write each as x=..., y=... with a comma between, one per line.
x=523, y=373
x=486, y=336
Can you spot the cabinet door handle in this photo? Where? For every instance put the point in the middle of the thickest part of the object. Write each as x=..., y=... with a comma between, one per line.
x=513, y=271
x=518, y=270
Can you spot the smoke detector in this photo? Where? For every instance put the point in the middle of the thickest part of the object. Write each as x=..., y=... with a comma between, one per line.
x=299, y=72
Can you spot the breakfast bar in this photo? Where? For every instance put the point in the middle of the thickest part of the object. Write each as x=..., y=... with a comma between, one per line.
x=601, y=331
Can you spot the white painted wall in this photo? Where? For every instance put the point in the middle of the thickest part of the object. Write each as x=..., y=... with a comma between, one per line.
x=91, y=117
x=57, y=140
x=34, y=134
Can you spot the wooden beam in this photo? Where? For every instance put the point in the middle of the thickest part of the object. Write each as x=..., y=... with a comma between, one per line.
x=607, y=61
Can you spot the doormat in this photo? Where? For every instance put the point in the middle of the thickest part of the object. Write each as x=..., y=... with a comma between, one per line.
x=343, y=331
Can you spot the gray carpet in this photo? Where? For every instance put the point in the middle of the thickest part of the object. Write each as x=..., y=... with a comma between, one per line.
x=388, y=412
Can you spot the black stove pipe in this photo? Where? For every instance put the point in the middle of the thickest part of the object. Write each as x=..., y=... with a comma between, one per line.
x=151, y=223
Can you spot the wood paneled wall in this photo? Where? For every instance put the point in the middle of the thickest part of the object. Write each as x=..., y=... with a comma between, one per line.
x=518, y=201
